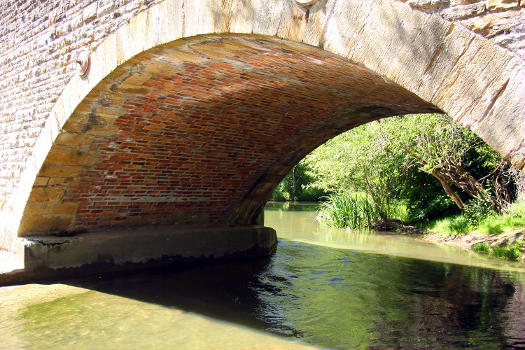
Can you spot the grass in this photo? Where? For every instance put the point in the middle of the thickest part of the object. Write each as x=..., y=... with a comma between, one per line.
x=343, y=210
x=451, y=225
x=493, y=224
x=357, y=211
x=509, y=252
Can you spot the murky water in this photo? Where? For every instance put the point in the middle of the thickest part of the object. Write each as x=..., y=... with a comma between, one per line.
x=329, y=297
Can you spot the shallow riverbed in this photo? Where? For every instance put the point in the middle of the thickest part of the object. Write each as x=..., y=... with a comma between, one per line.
x=322, y=288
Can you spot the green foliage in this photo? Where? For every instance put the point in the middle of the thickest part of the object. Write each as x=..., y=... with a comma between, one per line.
x=298, y=186
x=491, y=224
x=311, y=194
x=279, y=194
x=498, y=223
x=451, y=225
x=476, y=211
x=373, y=158
x=424, y=198
x=357, y=211
x=399, y=160
x=481, y=248
x=509, y=252
x=349, y=210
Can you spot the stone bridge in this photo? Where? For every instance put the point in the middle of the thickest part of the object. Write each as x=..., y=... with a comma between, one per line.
x=147, y=131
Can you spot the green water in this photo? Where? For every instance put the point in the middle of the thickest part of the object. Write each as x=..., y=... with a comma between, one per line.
x=322, y=288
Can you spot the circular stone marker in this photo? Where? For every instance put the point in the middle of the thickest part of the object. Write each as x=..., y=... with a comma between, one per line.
x=306, y=2
x=82, y=62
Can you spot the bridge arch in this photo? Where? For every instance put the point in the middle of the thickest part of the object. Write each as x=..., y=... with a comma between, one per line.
x=387, y=59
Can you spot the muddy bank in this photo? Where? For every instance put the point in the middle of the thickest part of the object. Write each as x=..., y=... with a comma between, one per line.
x=463, y=241
x=466, y=241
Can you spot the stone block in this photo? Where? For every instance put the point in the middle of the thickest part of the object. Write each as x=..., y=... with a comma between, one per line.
x=493, y=5
x=41, y=181
x=73, y=139
x=44, y=224
x=65, y=155
x=90, y=12
x=56, y=170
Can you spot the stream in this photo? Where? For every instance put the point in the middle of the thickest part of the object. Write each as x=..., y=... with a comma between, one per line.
x=323, y=288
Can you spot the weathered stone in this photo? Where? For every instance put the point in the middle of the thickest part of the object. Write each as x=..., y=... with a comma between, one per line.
x=150, y=99
x=491, y=24
x=124, y=249
x=90, y=12
x=41, y=181
x=502, y=4
x=431, y=5
x=462, y=12
x=73, y=140
x=40, y=224
x=60, y=170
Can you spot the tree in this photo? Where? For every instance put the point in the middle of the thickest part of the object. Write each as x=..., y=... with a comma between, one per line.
x=440, y=147
x=387, y=159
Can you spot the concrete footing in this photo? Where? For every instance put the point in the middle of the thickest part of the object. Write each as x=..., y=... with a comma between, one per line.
x=128, y=249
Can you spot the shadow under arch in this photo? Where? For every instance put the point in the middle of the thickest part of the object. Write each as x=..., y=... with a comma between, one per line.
x=199, y=131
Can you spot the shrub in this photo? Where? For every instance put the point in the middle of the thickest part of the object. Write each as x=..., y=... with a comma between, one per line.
x=453, y=225
x=475, y=211
x=481, y=248
x=509, y=252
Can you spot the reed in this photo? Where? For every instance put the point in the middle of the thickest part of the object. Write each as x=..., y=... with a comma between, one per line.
x=354, y=211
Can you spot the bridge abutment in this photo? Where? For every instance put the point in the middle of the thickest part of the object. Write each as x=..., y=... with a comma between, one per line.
x=136, y=248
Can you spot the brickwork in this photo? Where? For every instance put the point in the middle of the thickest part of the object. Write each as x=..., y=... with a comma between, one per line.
x=40, y=40
x=181, y=133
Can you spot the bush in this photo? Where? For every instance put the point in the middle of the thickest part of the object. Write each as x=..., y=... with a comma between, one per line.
x=453, y=225
x=279, y=195
x=475, y=211
x=495, y=223
x=509, y=252
x=481, y=248
x=311, y=194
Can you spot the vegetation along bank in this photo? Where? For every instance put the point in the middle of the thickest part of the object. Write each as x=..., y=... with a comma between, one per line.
x=419, y=174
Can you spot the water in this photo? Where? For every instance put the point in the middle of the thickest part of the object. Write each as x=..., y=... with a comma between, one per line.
x=306, y=295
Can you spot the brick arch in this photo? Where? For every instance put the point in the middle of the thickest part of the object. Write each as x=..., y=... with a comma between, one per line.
x=433, y=63
x=200, y=131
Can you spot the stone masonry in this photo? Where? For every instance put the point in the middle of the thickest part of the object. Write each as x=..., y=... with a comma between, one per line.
x=501, y=21
x=40, y=40
x=181, y=136
x=192, y=111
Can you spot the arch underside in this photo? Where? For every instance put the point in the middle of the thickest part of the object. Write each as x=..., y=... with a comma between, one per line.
x=199, y=131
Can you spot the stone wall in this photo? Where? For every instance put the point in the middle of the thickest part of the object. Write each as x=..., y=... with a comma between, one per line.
x=444, y=64
x=501, y=21
x=40, y=41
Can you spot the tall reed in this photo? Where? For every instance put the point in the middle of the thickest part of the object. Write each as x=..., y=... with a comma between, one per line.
x=355, y=211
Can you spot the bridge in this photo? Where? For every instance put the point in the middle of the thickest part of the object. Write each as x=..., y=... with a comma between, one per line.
x=147, y=132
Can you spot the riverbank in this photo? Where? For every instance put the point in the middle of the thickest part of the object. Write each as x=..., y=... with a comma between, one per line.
x=486, y=244
x=478, y=229
x=469, y=241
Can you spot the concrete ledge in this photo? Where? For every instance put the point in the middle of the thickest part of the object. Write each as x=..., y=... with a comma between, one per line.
x=138, y=248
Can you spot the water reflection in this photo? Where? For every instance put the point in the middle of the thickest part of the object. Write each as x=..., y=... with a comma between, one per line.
x=297, y=221
x=328, y=297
